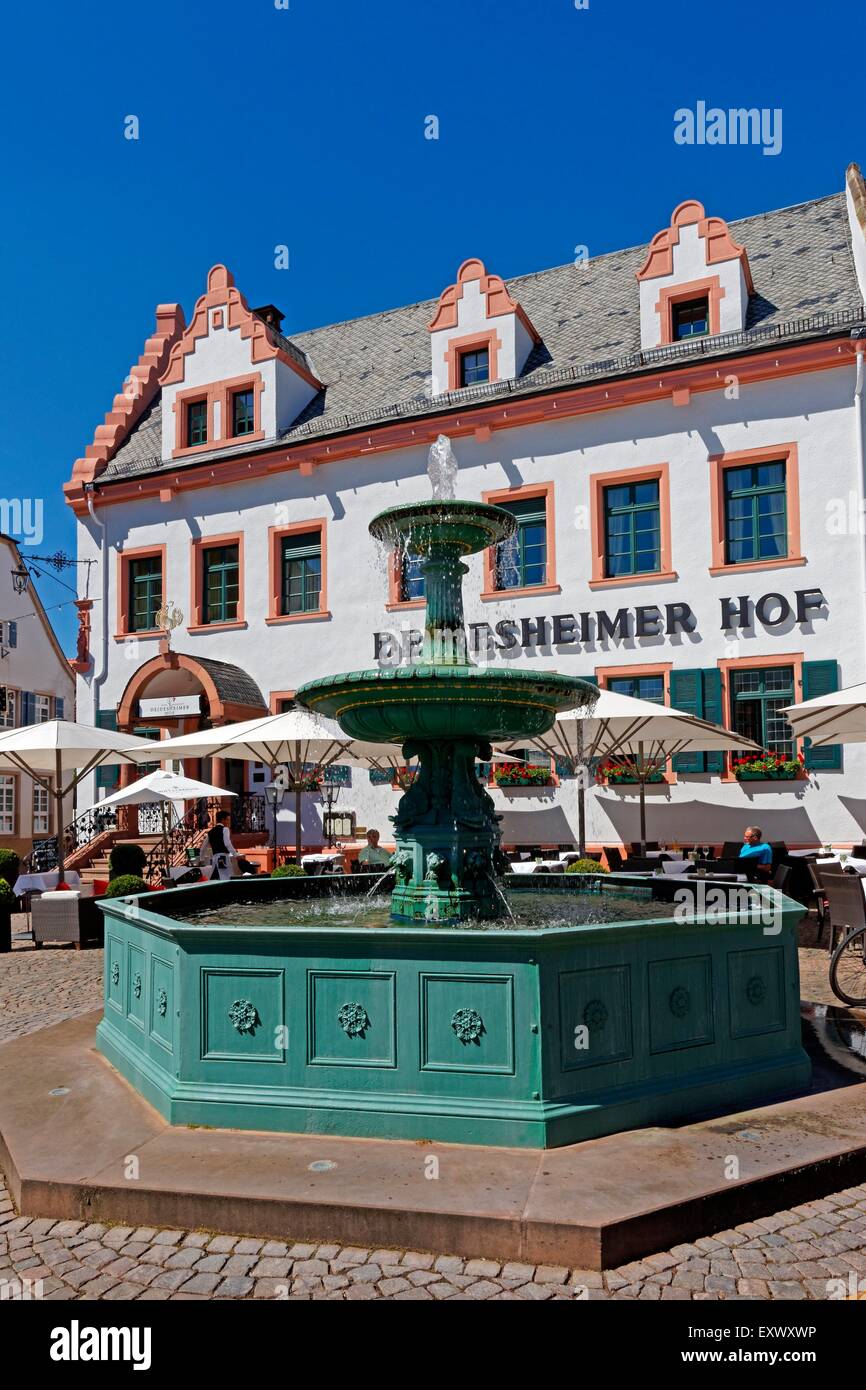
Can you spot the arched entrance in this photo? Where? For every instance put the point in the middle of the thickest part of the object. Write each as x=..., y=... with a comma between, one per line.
x=174, y=693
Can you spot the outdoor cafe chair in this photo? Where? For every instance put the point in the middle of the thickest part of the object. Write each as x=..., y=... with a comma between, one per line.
x=614, y=858
x=847, y=920
x=818, y=897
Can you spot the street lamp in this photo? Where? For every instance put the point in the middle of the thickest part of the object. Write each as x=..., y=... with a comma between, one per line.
x=274, y=796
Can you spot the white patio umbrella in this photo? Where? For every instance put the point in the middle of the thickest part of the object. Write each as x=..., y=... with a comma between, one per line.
x=644, y=732
x=163, y=787
x=304, y=743
x=839, y=717
x=47, y=752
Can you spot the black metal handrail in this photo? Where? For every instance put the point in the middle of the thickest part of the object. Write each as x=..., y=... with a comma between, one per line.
x=247, y=816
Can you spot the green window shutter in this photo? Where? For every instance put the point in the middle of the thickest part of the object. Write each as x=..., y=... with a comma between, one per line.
x=687, y=694
x=714, y=712
x=821, y=678
x=107, y=777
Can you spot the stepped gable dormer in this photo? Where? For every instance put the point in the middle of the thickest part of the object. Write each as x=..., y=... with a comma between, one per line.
x=478, y=333
x=695, y=280
x=232, y=377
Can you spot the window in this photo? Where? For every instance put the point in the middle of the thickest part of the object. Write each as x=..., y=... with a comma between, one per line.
x=145, y=593
x=8, y=707
x=221, y=572
x=285, y=704
x=243, y=412
x=7, y=805
x=41, y=810
x=301, y=557
x=474, y=366
x=59, y=707
x=650, y=688
x=42, y=707
x=411, y=578
x=521, y=561
x=690, y=318
x=756, y=513
x=632, y=529
x=196, y=423
x=8, y=634
x=757, y=700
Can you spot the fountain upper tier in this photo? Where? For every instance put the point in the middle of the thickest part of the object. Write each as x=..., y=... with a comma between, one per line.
x=444, y=695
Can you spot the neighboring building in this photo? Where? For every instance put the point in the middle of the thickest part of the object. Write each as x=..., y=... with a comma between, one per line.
x=678, y=429
x=36, y=684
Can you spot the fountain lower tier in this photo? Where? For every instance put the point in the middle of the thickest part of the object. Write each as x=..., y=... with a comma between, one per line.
x=446, y=828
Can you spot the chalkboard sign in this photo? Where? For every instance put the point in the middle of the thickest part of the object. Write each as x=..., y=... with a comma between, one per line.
x=44, y=855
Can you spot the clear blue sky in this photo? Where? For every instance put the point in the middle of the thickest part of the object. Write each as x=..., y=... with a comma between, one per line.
x=262, y=126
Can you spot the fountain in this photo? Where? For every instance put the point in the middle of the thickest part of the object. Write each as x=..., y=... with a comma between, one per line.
x=586, y=1006
x=445, y=711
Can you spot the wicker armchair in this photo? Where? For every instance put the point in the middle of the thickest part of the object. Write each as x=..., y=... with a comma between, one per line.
x=66, y=917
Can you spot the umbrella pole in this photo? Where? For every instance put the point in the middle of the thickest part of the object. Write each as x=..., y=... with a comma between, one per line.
x=581, y=796
x=58, y=796
x=642, y=786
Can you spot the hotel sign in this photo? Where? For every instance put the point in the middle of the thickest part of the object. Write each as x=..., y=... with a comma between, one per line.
x=169, y=707
x=772, y=611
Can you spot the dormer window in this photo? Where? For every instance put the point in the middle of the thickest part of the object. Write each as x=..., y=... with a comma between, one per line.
x=196, y=423
x=474, y=367
x=690, y=319
x=243, y=412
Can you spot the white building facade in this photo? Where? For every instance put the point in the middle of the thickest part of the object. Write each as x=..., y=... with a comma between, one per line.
x=677, y=428
x=36, y=684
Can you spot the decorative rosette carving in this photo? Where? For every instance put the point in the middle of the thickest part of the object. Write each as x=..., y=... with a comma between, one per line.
x=243, y=1015
x=354, y=1020
x=468, y=1025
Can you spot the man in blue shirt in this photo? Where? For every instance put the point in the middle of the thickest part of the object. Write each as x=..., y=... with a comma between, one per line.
x=755, y=848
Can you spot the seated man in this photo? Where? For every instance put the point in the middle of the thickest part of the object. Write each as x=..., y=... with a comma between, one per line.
x=223, y=850
x=372, y=853
x=756, y=850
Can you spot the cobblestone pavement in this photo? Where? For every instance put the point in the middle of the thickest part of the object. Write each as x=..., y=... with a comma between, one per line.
x=814, y=1251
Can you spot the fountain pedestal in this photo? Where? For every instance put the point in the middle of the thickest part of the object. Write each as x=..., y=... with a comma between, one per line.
x=445, y=711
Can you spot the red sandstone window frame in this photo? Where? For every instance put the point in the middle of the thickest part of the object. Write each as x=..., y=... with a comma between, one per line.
x=276, y=534
x=728, y=664
x=499, y=496
x=604, y=674
x=124, y=557
x=621, y=477
x=217, y=393
x=472, y=342
x=197, y=624
x=678, y=294
x=787, y=453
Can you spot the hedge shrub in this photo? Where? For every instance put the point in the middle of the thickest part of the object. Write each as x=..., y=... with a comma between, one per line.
x=586, y=866
x=9, y=865
x=125, y=885
x=288, y=871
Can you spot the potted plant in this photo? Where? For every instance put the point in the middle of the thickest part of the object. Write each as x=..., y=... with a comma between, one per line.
x=10, y=863
x=617, y=774
x=771, y=767
x=521, y=775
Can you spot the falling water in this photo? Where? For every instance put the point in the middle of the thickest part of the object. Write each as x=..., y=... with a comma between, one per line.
x=380, y=879
x=442, y=469
x=502, y=898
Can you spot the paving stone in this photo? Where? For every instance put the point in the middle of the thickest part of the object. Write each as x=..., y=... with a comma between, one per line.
x=415, y=1295
x=184, y=1258
x=334, y=1281
x=271, y=1268
x=388, y=1287
x=310, y=1267
x=140, y=1274
x=449, y=1264
x=97, y=1287
x=359, y=1291
x=300, y=1252
x=786, y=1289
x=168, y=1237
x=385, y=1257
x=236, y=1286
x=352, y=1255
x=482, y=1269
x=327, y=1252
x=156, y=1255
x=514, y=1270
x=202, y=1283
x=552, y=1274
x=197, y=1239
x=421, y=1277
x=145, y=1234
x=248, y=1247
x=537, y=1292
x=442, y=1290
x=365, y=1274
x=274, y=1249
x=211, y=1264
x=242, y=1264
x=222, y=1245
x=171, y=1279
x=753, y=1288
x=416, y=1259
x=271, y=1288
x=123, y=1292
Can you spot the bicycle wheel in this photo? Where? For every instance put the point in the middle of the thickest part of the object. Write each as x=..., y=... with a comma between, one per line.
x=848, y=968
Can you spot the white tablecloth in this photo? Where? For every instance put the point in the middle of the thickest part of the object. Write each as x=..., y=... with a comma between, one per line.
x=43, y=883
x=857, y=866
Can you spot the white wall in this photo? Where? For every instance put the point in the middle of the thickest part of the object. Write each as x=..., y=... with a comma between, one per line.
x=814, y=411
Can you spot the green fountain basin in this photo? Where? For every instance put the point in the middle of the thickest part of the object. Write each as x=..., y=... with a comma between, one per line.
x=467, y=526
x=431, y=702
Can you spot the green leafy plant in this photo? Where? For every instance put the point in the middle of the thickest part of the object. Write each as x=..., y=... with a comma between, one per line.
x=10, y=863
x=771, y=766
x=288, y=871
x=126, y=858
x=7, y=897
x=521, y=775
x=125, y=885
x=616, y=773
x=586, y=866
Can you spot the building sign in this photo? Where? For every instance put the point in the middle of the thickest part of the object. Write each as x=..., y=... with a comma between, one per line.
x=772, y=611
x=169, y=707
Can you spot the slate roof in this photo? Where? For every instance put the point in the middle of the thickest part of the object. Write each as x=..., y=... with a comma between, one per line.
x=233, y=685
x=376, y=368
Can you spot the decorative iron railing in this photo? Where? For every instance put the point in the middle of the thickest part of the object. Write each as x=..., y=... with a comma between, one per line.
x=247, y=816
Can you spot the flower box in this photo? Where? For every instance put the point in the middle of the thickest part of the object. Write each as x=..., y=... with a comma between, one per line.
x=768, y=768
x=510, y=775
x=618, y=774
